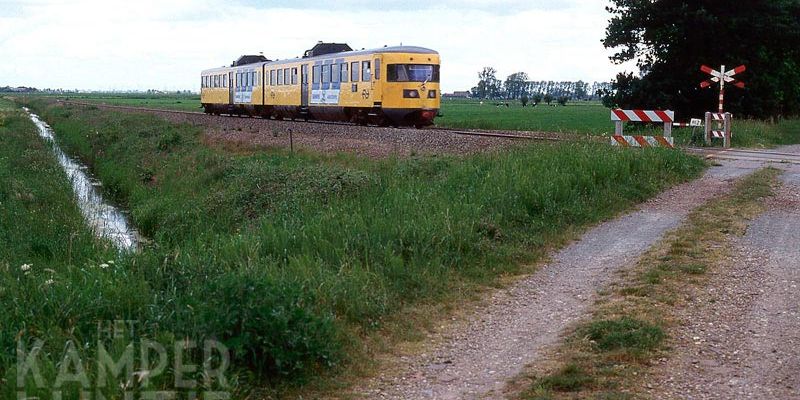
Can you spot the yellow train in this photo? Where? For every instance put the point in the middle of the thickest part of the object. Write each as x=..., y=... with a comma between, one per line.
x=331, y=82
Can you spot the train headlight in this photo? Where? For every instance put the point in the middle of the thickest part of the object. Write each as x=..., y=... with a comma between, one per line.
x=431, y=94
x=410, y=94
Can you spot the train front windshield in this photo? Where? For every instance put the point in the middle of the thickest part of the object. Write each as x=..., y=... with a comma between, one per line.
x=412, y=73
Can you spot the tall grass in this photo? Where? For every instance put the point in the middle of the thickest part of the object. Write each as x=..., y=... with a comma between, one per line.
x=289, y=259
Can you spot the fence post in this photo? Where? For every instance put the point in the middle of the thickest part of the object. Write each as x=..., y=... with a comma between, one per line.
x=707, y=128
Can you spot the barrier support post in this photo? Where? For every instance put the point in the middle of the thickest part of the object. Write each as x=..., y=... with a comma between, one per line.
x=707, y=128
x=668, y=129
x=727, y=130
x=618, y=128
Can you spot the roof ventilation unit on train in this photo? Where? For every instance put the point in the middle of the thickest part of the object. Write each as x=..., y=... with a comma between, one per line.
x=326, y=48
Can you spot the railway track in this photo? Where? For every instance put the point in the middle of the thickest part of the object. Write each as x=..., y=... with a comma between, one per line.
x=522, y=135
x=708, y=153
x=746, y=155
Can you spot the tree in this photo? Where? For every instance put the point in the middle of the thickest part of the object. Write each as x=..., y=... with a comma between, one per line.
x=581, y=91
x=488, y=85
x=563, y=100
x=548, y=98
x=536, y=98
x=524, y=100
x=670, y=39
x=516, y=85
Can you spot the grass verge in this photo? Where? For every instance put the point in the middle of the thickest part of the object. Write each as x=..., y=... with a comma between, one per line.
x=306, y=255
x=603, y=357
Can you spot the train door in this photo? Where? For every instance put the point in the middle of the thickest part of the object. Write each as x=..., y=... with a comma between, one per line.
x=375, y=85
x=304, y=85
x=231, y=87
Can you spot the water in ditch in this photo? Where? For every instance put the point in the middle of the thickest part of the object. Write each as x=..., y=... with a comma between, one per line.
x=104, y=219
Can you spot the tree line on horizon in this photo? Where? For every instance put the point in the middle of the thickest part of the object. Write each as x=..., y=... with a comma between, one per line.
x=518, y=86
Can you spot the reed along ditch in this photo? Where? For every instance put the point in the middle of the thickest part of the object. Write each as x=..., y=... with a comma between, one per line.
x=292, y=260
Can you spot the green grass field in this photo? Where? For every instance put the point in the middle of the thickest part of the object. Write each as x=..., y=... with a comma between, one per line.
x=305, y=256
x=576, y=117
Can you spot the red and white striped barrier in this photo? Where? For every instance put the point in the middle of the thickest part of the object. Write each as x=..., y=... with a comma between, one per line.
x=619, y=117
x=718, y=134
x=642, y=141
x=642, y=115
x=722, y=132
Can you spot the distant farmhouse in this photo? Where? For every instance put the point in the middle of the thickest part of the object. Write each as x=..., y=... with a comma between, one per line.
x=456, y=95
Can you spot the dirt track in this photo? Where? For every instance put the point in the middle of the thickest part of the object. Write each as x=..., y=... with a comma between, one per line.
x=741, y=332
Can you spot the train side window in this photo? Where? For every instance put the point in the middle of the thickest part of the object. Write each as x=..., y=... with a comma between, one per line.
x=377, y=69
x=225, y=80
x=344, y=72
x=280, y=77
x=354, y=71
x=315, y=74
x=326, y=73
x=294, y=76
x=254, y=80
x=335, y=74
x=366, y=71
x=287, y=78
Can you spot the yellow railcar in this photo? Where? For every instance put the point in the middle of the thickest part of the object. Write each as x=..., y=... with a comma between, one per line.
x=386, y=86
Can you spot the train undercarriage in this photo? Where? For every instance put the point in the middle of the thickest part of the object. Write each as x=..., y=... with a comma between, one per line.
x=356, y=115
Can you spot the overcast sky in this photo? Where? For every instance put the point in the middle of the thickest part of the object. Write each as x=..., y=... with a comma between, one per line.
x=163, y=44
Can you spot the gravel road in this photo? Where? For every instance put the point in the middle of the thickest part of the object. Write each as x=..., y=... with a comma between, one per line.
x=475, y=358
x=741, y=331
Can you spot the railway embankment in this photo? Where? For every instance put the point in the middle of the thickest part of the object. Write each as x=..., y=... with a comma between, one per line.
x=313, y=258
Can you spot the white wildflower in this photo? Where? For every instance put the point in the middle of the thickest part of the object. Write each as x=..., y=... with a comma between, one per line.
x=103, y=265
x=111, y=262
x=26, y=267
x=49, y=282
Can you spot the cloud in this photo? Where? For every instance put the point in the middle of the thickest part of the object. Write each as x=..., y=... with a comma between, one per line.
x=163, y=45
